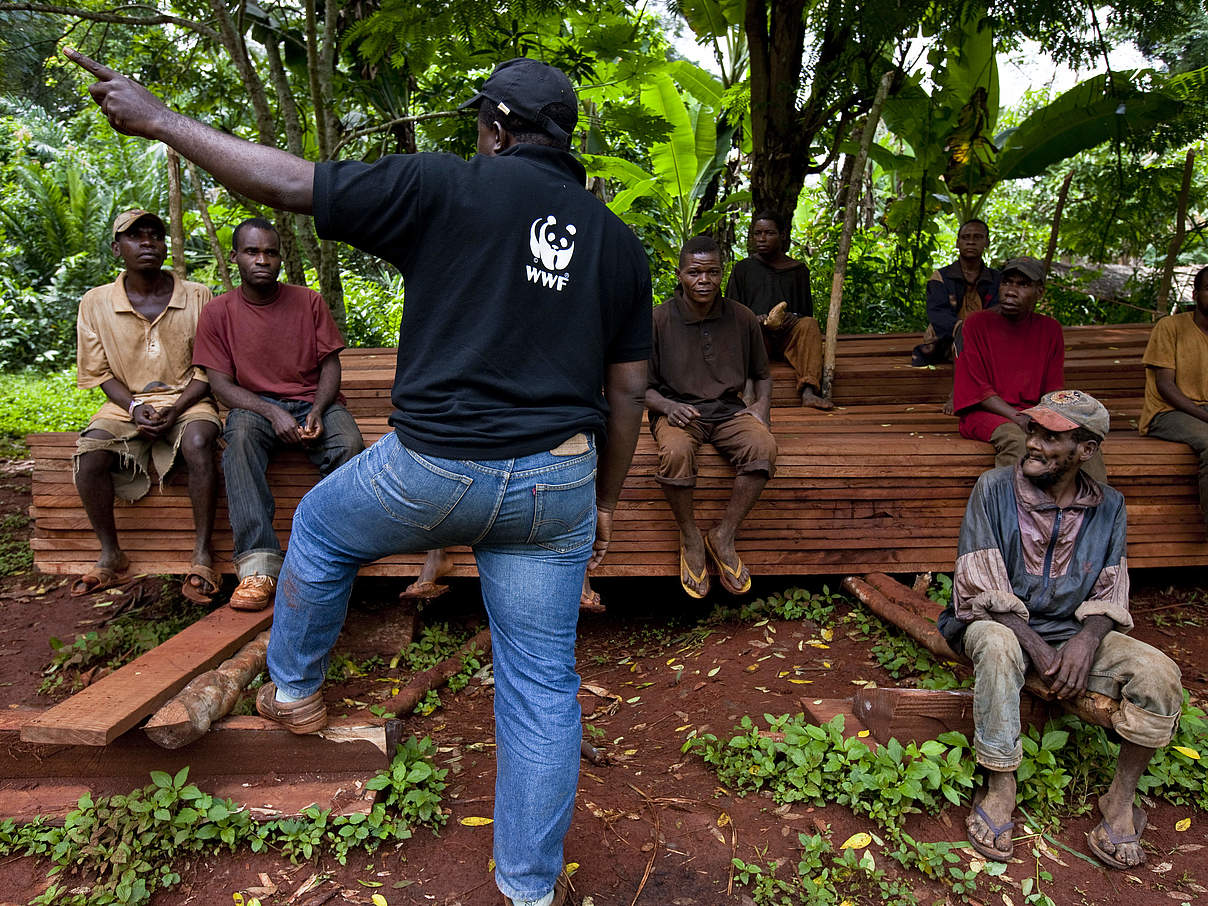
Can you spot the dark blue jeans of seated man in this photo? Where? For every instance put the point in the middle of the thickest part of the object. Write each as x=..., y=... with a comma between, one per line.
x=251, y=443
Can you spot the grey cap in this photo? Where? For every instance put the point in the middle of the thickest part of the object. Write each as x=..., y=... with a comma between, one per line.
x=1028, y=266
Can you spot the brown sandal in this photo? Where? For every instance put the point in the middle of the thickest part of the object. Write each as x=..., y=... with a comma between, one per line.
x=203, y=592
x=99, y=578
x=423, y=591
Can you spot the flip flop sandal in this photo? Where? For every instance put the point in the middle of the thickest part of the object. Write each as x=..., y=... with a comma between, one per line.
x=204, y=591
x=1109, y=859
x=590, y=601
x=99, y=578
x=695, y=585
x=990, y=852
x=423, y=591
x=735, y=579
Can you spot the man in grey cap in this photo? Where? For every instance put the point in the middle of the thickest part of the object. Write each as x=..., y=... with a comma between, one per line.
x=523, y=346
x=1041, y=581
x=135, y=342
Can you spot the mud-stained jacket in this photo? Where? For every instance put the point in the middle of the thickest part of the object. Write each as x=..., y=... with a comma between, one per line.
x=1054, y=566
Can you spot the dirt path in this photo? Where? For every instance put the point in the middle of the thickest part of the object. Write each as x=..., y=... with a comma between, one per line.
x=653, y=820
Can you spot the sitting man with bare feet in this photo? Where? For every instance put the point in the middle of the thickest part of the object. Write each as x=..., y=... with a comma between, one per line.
x=705, y=349
x=1042, y=580
x=135, y=342
x=272, y=351
x=777, y=288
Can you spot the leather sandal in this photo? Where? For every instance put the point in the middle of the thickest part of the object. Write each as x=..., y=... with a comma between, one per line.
x=423, y=591
x=99, y=578
x=307, y=715
x=203, y=592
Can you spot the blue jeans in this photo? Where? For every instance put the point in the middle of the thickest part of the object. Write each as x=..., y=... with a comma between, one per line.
x=250, y=444
x=531, y=523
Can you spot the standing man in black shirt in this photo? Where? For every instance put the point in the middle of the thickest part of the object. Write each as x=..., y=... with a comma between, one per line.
x=525, y=338
x=777, y=288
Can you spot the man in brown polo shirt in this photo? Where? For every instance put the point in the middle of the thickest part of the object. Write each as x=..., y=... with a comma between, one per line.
x=705, y=349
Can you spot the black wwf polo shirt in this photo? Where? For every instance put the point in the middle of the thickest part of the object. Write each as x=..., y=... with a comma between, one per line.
x=520, y=285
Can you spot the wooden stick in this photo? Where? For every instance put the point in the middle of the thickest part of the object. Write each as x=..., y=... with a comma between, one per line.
x=435, y=677
x=176, y=217
x=209, y=696
x=849, y=226
x=1053, y=230
x=203, y=208
x=1176, y=241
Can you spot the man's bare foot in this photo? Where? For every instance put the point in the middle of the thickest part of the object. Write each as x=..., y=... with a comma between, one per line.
x=438, y=563
x=949, y=406
x=810, y=398
x=989, y=824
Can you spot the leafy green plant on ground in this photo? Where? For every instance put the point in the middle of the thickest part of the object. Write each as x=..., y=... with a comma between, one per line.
x=125, y=848
x=1063, y=764
x=122, y=640
x=793, y=603
x=31, y=401
x=16, y=556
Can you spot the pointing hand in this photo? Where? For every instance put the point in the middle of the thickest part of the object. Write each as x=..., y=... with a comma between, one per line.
x=130, y=108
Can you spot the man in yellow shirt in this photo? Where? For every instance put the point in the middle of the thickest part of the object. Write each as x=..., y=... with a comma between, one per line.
x=1176, y=381
x=135, y=342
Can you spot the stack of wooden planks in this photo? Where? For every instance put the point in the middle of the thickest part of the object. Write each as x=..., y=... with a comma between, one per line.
x=878, y=484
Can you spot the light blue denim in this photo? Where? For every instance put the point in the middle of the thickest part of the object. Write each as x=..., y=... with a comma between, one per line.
x=531, y=523
x=250, y=444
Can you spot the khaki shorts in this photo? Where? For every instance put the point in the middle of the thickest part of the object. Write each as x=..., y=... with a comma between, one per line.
x=135, y=453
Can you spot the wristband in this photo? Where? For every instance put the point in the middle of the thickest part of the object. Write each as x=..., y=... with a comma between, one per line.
x=134, y=404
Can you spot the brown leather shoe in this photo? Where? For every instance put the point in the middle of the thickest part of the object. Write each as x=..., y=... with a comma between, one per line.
x=254, y=593
x=308, y=715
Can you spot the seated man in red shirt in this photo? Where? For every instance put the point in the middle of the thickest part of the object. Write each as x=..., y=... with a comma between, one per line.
x=705, y=349
x=272, y=353
x=1011, y=357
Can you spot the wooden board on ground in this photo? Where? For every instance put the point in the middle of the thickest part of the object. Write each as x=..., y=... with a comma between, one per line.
x=913, y=715
x=329, y=769
x=108, y=708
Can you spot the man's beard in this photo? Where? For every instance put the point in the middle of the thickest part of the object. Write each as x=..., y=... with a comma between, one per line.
x=1055, y=469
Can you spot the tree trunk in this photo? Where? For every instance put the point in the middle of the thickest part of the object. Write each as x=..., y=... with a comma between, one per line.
x=187, y=716
x=849, y=225
x=1056, y=227
x=776, y=42
x=1176, y=241
x=203, y=208
x=176, y=215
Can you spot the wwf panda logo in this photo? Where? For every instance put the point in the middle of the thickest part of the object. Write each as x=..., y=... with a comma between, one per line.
x=552, y=246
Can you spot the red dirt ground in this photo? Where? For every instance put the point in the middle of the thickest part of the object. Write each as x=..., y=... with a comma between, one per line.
x=648, y=821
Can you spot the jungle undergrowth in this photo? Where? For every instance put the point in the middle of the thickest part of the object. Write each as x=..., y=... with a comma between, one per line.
x=125, y=848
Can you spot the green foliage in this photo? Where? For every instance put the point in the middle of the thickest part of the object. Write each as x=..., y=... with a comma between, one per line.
x=125, y=638
x=16, y=556
x=128, y=847
x=373, y=310
x=791, y=604
x=31, y=402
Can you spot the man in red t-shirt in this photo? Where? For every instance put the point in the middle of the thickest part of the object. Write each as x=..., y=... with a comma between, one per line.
x=272, y=354
x=1010, y=357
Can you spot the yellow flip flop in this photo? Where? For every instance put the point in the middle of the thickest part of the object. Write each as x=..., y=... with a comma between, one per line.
x=695, y=585
x=735, y=579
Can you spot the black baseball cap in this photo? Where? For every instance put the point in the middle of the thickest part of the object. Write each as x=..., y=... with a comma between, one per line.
x=523, y=86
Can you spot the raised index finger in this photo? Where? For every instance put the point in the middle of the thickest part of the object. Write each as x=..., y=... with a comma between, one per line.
x=97, y=69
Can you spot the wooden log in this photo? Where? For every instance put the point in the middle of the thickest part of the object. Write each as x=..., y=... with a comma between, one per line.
x=1091, y=707
x=912, y=715
x=435, y=677
x=209, y=696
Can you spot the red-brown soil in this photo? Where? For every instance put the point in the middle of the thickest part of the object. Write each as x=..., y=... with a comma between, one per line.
x=649, y=821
